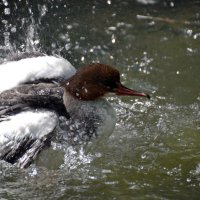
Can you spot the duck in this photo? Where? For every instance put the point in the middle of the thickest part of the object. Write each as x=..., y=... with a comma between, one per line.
x=43, y=98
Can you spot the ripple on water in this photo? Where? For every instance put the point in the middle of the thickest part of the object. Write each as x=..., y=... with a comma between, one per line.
x=162, y=139
x=154, y=150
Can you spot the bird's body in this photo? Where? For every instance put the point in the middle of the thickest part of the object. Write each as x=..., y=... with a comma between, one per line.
x=35, y=105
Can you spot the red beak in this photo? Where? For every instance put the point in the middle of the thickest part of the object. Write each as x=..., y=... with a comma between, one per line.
x=122, y=90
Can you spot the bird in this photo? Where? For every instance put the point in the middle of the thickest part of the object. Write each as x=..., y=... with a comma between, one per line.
x=44, y=97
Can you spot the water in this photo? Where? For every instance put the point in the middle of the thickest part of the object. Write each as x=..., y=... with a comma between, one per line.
x=154, y=152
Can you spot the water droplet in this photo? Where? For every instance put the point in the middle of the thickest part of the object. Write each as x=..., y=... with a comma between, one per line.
x=112, y=28
x=13, y=29
x=53, y=45
x=106, y=171
x=33, y=172
x=189, y=32
x=143, y=156
x=68, y=46
x=82, y=58
x=69, y=27
x=4, y=21
x=189, y=50
x=196, y=36
x=92, y=177
x=7, y=11
x=43, y=10
x=188, y=180
x=5, y=3
x=113, y=39
x=86, y=91
x=172, y=4
x=36, y=42
x=109, y=2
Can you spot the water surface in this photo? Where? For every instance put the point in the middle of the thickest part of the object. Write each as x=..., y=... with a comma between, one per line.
x=154, y=151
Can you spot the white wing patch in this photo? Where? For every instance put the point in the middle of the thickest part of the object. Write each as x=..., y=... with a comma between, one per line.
x=27, y=124
x=30, y=69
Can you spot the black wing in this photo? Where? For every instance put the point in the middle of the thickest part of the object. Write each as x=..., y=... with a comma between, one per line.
x=32, y=96
x=24, y=97
x=23, y=152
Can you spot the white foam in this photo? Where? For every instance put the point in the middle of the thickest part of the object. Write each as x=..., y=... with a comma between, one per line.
x=33, y=124
x=30, y=69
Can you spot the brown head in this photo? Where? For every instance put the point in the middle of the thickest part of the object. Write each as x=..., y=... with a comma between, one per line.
x=95, y=80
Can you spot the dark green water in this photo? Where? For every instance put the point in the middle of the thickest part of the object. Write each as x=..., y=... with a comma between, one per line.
x=154, y=152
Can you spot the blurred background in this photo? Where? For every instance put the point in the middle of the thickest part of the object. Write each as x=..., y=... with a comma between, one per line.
x=154, y=151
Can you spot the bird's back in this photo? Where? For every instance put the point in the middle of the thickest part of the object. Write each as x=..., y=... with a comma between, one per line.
x=28, y=115
x=30, y=103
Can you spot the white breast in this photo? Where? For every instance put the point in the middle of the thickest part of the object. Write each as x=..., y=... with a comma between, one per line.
x=98, y=113
x=30, y=69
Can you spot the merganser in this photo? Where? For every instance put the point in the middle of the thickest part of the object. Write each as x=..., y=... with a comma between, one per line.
x=37, y=102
